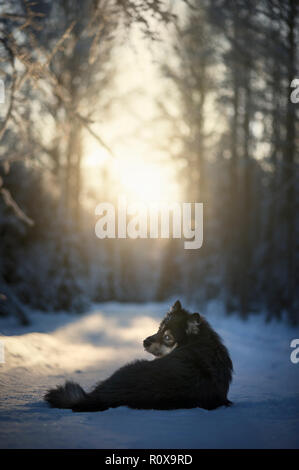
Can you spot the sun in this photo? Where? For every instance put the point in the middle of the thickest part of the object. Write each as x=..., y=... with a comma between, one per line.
x=146, y=181
x=139, y=175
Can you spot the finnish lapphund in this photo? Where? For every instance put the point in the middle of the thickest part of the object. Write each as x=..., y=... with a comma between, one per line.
x=192, y=368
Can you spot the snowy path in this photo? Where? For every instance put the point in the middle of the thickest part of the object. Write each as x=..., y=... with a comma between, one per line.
x=87, y=348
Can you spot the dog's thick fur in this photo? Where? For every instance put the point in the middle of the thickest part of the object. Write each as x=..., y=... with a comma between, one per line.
x=192, y=369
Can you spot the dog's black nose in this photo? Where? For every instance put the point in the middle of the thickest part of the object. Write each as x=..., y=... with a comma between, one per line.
x=147, y=342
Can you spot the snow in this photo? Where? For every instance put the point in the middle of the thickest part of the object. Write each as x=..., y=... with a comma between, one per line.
x=86, y=348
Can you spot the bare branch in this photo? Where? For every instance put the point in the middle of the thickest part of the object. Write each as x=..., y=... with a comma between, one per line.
x=13, y=88
x=17, y=210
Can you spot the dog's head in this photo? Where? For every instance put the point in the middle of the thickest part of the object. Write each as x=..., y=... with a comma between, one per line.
x=175, y=329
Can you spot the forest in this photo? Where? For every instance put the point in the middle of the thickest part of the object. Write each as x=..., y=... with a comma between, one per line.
x=184, y=101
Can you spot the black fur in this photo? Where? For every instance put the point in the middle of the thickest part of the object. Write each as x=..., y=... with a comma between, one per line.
x=197, y=373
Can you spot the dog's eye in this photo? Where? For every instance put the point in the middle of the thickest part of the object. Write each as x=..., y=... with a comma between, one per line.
x=167, y=338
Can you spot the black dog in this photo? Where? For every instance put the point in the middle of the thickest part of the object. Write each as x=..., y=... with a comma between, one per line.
x=193, y=369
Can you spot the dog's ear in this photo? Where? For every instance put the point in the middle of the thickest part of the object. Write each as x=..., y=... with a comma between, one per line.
x=196, y=317
x=193, y=324
x=176, y=306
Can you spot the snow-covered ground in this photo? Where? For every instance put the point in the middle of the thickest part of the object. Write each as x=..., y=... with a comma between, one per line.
x=87, y=348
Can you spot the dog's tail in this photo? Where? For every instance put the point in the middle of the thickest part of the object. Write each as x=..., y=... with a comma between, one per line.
x=65, y=396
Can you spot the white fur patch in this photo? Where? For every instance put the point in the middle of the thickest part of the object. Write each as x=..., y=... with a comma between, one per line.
x=168, y=349
x=193, y=327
